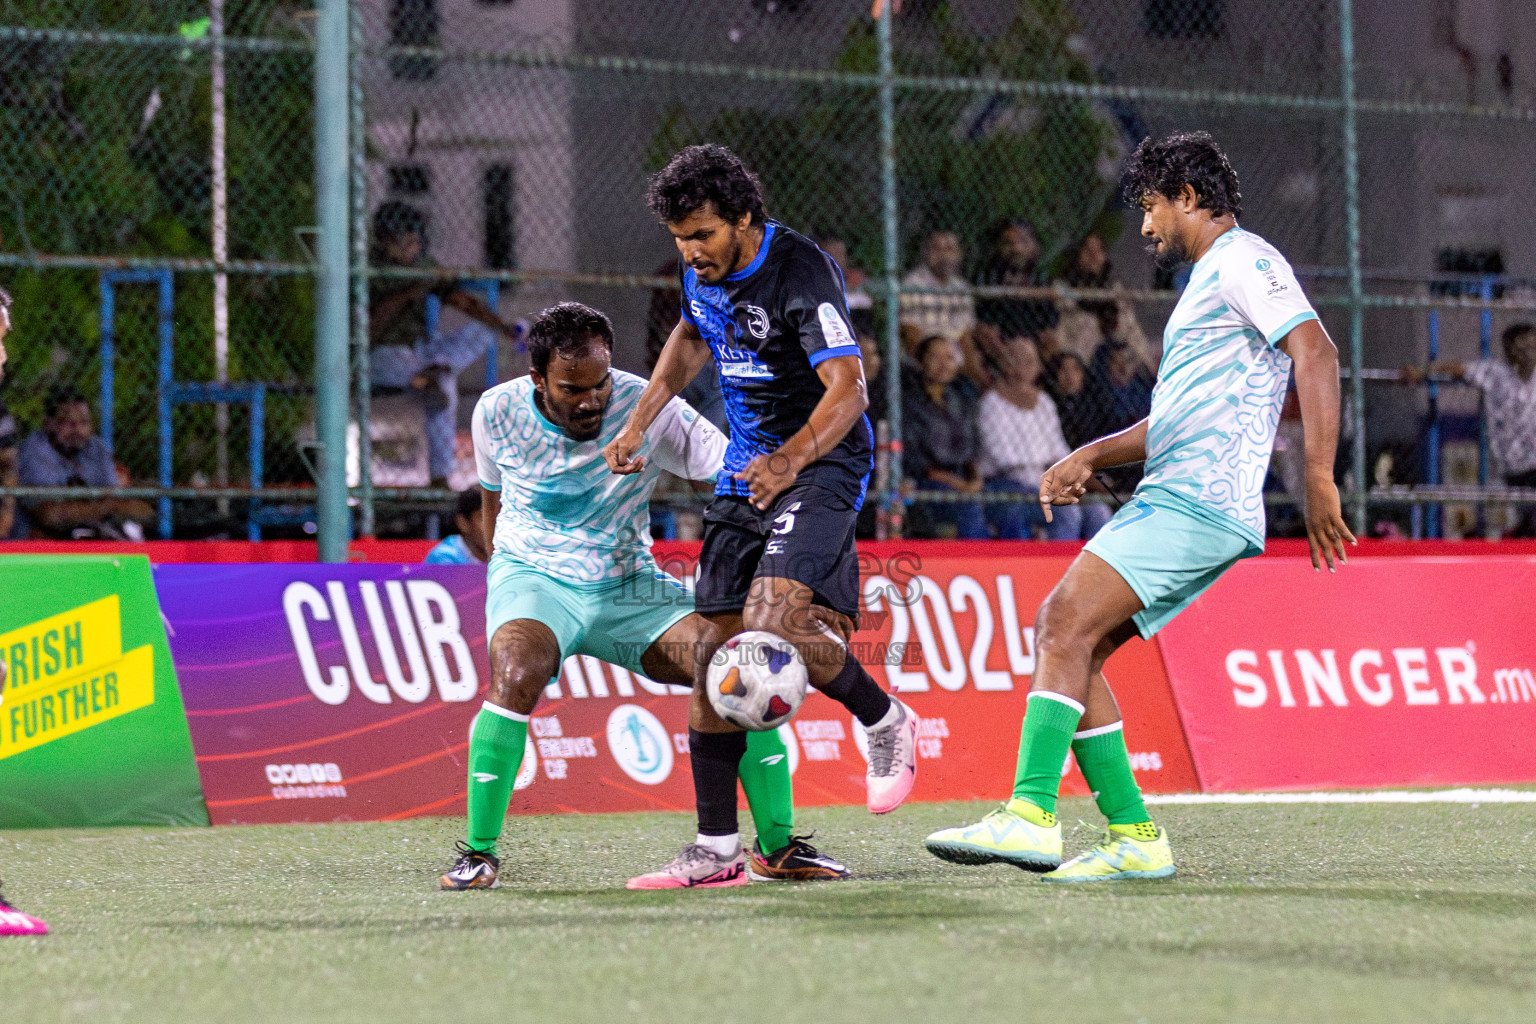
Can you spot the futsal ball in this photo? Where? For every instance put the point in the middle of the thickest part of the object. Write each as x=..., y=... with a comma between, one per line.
x=756, y=681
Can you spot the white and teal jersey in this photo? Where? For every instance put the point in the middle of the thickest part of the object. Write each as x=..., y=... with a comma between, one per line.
x=1222, y=381
x=562, y=511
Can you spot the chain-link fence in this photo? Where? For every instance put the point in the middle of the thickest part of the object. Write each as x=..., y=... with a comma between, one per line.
x=511, y=141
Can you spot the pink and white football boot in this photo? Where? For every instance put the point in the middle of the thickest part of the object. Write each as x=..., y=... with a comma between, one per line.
x=14, y=922
x=697, y=867
x=892, y=759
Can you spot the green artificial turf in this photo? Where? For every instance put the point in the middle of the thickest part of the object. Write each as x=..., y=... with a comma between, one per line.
x=1280, y=913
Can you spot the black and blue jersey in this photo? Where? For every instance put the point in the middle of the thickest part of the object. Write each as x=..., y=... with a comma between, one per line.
x=769, y=326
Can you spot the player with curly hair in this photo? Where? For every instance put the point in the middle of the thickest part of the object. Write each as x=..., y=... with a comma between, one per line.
x=1240, y=328
x=778, y=553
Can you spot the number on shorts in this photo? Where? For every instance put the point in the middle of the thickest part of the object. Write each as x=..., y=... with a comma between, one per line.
x=1143, y=510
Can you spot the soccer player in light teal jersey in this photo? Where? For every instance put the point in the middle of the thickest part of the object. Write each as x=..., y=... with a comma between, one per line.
x=1239, y=330
x=571, y=572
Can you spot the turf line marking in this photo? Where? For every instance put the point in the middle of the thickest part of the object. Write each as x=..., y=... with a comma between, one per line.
x=1386, y=796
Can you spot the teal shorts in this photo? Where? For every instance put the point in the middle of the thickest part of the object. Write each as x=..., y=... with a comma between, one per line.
x=1168, y=553
x=615, y=622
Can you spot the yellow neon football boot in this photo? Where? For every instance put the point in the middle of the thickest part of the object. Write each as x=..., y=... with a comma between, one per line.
x=1119, y=855
x=1017, y=833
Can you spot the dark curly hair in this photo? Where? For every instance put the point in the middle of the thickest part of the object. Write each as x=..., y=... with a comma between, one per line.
x=1187, y=158
x=567, y=328
x=705, y=174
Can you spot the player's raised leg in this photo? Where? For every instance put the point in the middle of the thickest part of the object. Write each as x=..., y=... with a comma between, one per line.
x=1084, y=620
x=525, y=655
x=788, y=608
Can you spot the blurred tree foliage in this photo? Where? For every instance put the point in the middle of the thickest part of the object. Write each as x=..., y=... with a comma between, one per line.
x=105, y=151
x=967, y=159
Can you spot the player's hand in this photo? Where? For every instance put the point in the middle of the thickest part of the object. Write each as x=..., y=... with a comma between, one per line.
x=620, y=452
x=767, y=477
x=1326, y=530
x=1065, y=482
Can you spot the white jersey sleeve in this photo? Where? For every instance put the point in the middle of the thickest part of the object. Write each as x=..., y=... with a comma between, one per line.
x=485, y=462
x=686, y=444
x=1260, y=287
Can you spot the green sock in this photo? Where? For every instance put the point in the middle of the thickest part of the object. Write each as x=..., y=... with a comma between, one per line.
x=1106, y=766
x=764, y=775
x=496, y=742
x=1049, y=722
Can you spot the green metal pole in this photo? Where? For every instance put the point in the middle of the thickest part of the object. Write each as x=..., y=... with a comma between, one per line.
x=331, y=306
x=360, y=352
x=892, y=281
x=1352, y=243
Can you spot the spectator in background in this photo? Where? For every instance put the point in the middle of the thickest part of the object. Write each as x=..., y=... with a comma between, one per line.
x=1086, y=324
x=861, y=305
x=1020, y=439
x=468, y=546
x=1125, y=384
x=404, y=358
x=1078, y=406
x=67, y=453
x=946, y=307
x=940, y=442
x=8, y=518
x=873, y=356
x=1509, y=403
x=1014, y=262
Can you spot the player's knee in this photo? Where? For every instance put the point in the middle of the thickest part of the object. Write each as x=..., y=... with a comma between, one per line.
x=517, y=686
x=768, y=616
x=1058, y=631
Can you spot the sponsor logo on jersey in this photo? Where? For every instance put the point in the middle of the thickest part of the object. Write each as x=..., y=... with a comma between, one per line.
x=834, y=328
x=1276, y=286
x=741, y=363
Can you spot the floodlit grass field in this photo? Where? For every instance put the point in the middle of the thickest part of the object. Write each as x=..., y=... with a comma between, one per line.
x=1280, y=913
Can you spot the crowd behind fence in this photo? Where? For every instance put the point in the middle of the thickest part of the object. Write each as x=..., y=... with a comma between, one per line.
x=162, y=233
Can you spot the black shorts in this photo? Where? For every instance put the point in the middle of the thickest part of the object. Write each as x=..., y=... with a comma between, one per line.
x=806, y=535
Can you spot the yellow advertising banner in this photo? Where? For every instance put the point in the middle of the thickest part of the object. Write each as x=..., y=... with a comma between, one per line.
x=65, y=705
x=67, y=672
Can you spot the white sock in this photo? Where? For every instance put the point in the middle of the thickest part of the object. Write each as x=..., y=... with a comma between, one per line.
x=892, y=713
x=723, y=847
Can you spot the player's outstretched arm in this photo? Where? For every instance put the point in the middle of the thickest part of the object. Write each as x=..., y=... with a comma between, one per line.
x=846, y=398
x=1065, y=482
x=1317, y=386
x=681, y=359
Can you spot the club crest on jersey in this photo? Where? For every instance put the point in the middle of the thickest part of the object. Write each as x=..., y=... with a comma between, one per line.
x=757, y=322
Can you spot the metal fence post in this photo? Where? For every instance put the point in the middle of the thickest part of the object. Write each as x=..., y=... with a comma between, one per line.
x=331, y=307
x=889, y=230
x=1352, y=244
x=357, y=142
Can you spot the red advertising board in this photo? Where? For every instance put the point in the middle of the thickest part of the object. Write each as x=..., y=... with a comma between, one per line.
x=1394, y=671
x=321, y=693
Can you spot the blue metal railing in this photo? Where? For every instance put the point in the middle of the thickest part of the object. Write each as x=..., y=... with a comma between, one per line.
x=171, y=392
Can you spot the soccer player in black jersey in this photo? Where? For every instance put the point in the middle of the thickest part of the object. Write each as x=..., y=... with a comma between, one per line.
x=778, y=552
